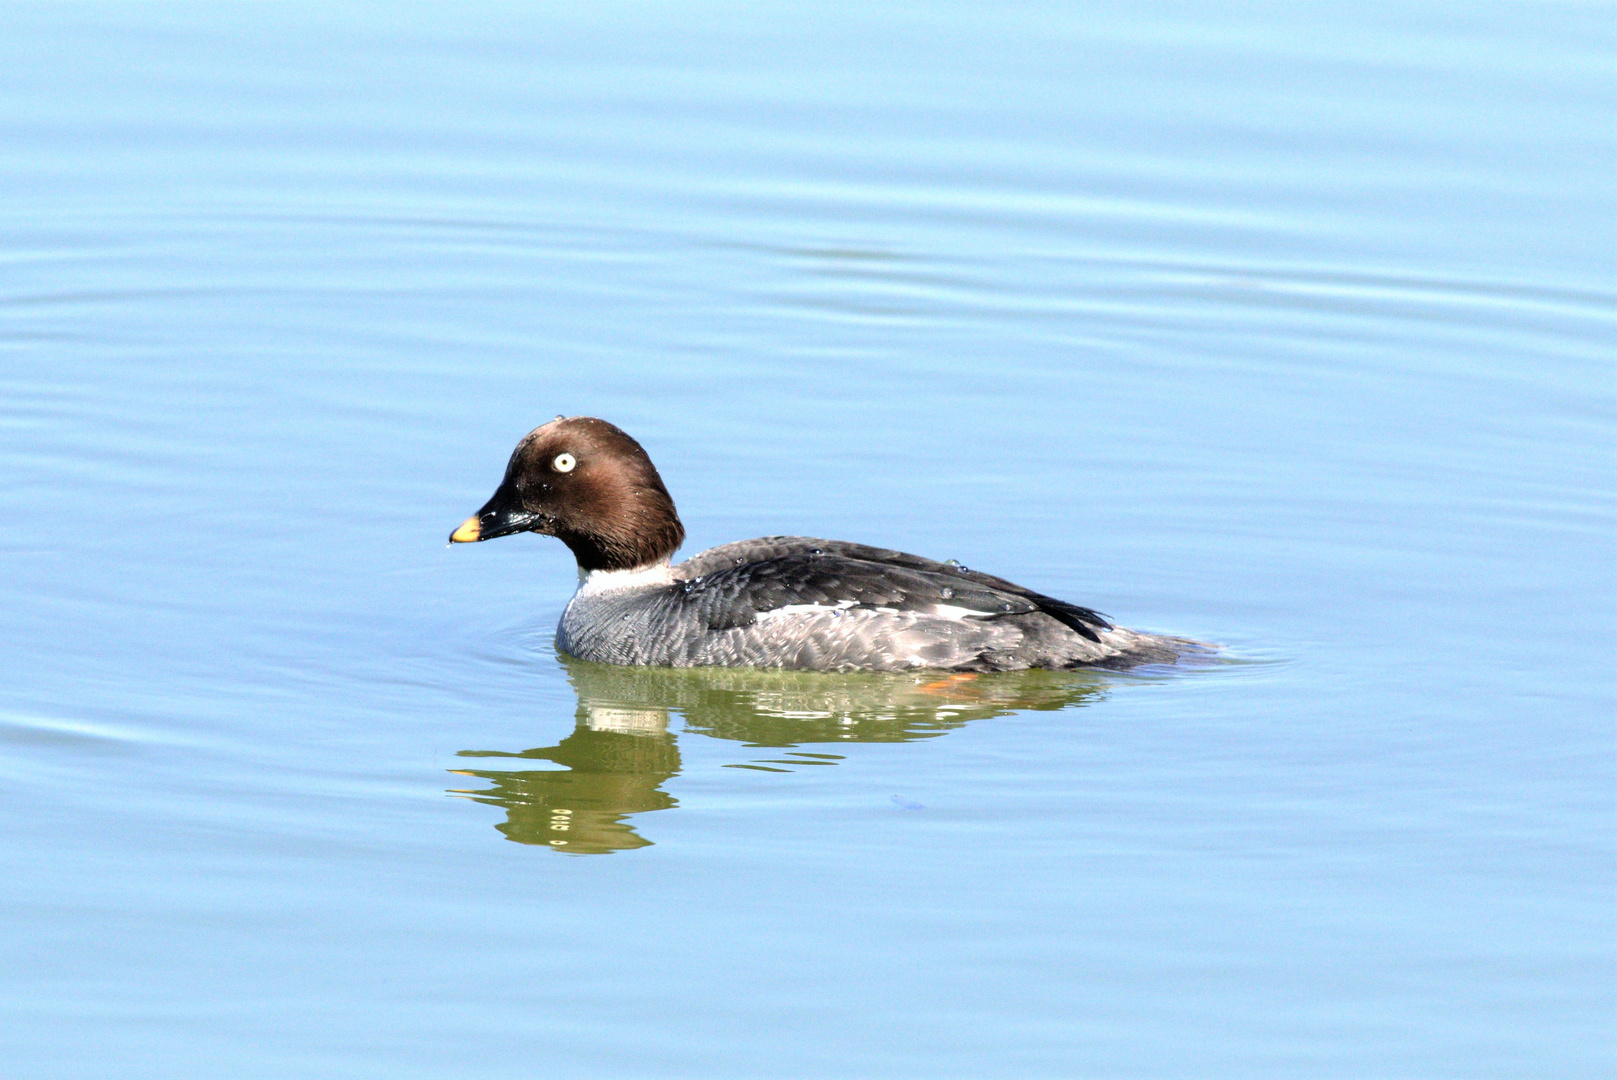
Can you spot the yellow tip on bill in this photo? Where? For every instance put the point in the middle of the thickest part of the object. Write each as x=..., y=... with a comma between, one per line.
x=469, y=530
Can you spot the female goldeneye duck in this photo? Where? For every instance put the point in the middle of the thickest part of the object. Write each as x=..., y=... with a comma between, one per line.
x=779, y=601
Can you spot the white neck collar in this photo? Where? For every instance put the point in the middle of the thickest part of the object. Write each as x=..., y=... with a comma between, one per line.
x=593, y=582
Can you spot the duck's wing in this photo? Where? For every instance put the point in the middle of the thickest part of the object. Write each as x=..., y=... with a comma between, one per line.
x=736, y=584
x=1085, y=621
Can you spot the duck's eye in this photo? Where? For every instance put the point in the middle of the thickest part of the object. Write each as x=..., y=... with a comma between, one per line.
x=563, y=463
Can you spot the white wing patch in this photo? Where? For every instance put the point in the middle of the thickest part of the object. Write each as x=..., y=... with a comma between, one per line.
x=950, y=611
x=806, y=609
x=938, y=611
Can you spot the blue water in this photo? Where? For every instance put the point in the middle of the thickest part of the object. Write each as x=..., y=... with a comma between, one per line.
x=1289, y=327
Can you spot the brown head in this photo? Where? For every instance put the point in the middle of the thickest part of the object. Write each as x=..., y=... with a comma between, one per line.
x=589, y=484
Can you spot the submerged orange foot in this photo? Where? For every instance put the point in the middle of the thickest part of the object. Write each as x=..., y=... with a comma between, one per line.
x=948, y=683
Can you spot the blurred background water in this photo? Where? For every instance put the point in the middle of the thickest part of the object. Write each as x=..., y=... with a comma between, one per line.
x=1284, y=326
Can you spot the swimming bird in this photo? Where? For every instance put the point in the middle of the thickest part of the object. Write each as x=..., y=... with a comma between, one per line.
x=777, y=601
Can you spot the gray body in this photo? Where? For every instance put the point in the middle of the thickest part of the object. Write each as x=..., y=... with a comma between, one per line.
x=805, y=603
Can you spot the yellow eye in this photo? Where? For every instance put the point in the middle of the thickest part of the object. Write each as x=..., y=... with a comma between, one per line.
x=563, y=463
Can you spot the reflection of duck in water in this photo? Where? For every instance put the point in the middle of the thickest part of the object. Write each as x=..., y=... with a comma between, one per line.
x=621, y=752
x=779, y=601
x=609, y=773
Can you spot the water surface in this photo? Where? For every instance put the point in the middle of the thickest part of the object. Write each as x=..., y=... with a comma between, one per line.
x=1285, y=328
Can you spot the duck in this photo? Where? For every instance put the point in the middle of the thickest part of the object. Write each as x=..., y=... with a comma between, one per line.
x=794, y=602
